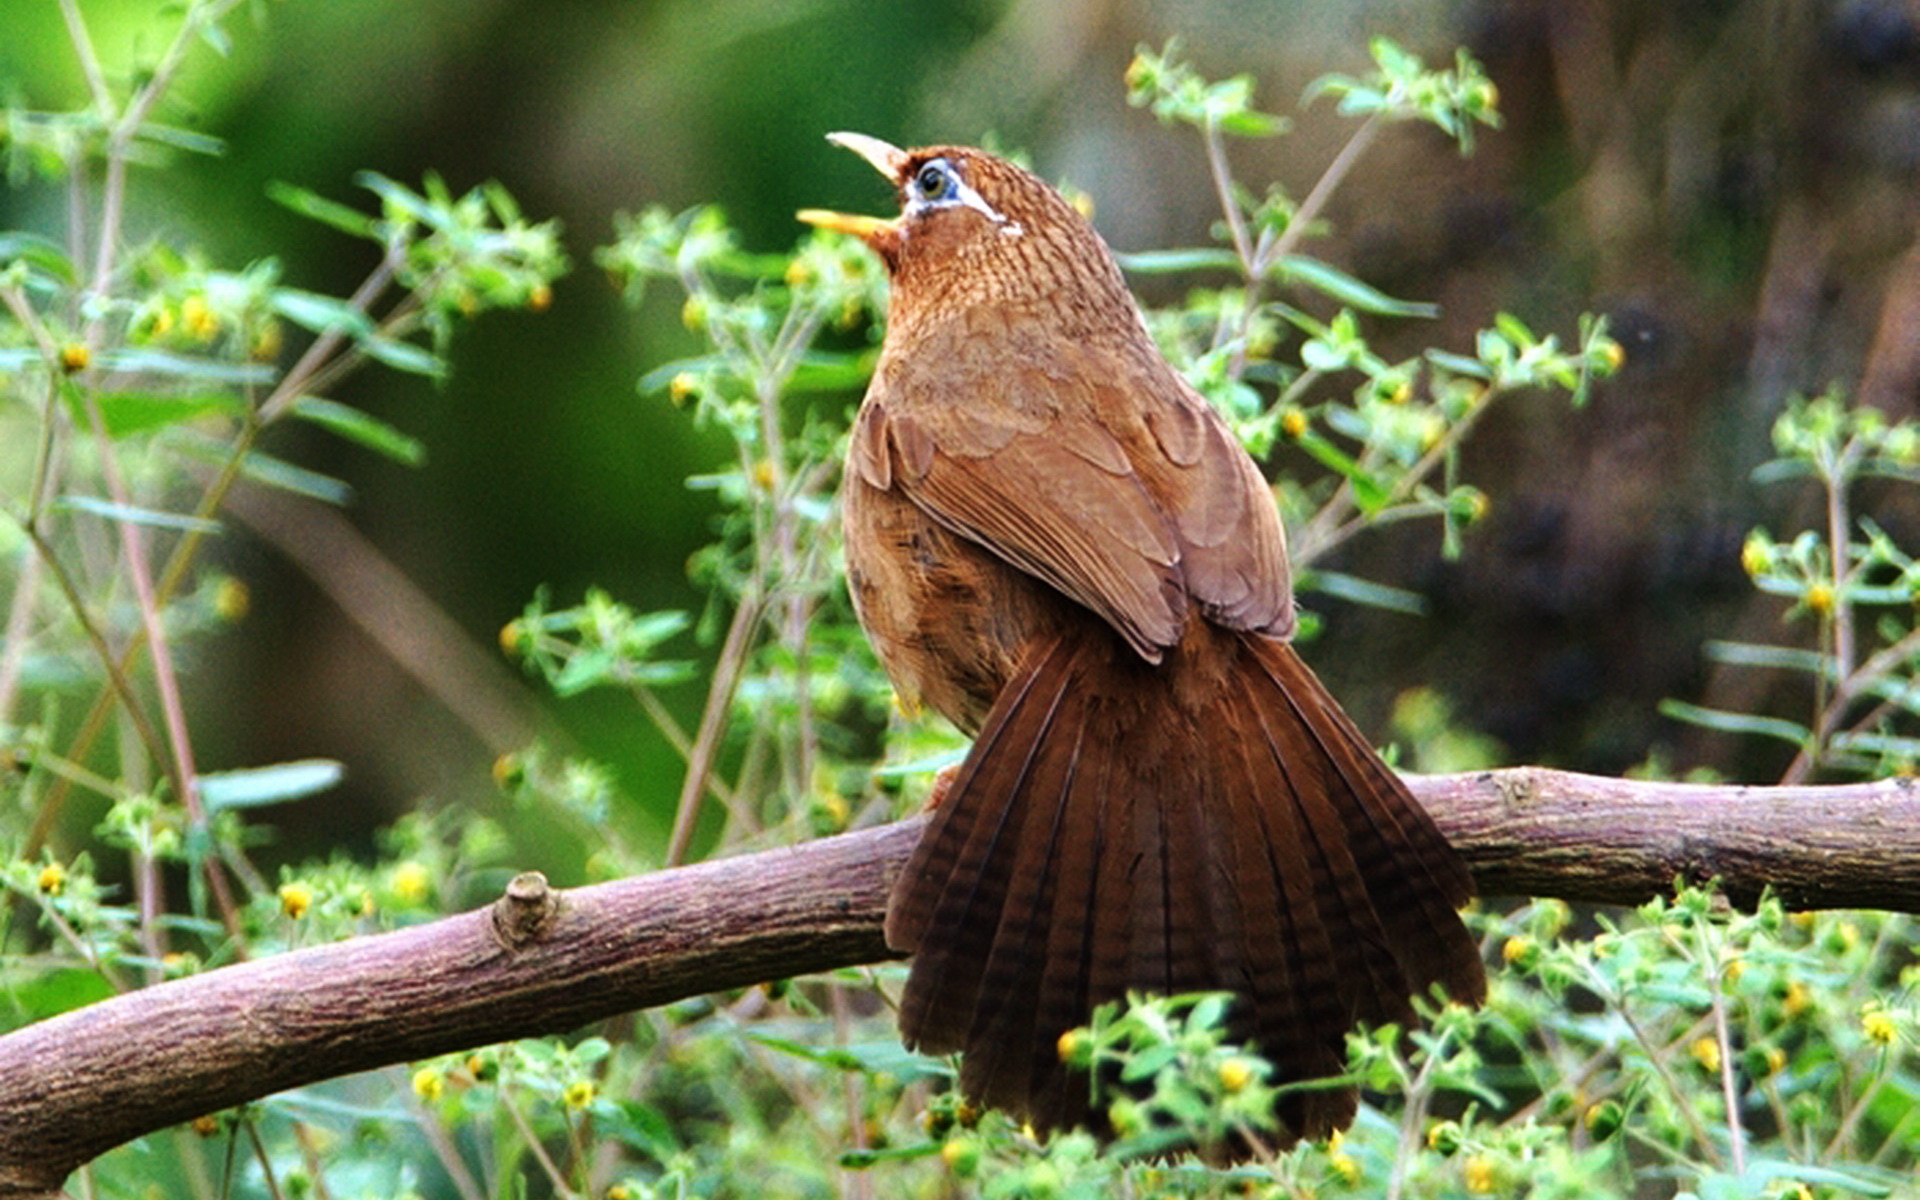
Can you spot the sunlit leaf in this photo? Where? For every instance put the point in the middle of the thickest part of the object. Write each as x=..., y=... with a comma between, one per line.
x=255, y=787
x=364, y=428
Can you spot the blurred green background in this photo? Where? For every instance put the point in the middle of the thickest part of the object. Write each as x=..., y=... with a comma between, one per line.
x=1732, y=182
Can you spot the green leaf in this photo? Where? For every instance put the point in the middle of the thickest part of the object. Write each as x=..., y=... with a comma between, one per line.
x=1164, y=262
x=404, y=356
x=319, y=313
x=877, y=1057
x=364, y=428
x=1748, y=654
x=1732, y=722
x=1459, y=364
x=181, y=366
x=1363, y=591
x=126, y=413
x=1252, y=124
x=41, y=254
x=135, y=515
x=822, y=372
x=191, y=140
x=858, y=1160
x=1299, y=268
x=279, y=473
x=256, y=787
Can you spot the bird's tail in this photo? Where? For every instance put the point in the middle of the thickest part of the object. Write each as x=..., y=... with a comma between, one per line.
x=1212, y=823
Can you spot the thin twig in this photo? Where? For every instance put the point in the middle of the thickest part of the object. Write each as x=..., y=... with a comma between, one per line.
x=713, y=723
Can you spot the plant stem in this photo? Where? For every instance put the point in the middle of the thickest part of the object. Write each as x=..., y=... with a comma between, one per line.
x=713, y=722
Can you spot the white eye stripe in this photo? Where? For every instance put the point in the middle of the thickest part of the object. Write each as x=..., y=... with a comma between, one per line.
x=962, y=193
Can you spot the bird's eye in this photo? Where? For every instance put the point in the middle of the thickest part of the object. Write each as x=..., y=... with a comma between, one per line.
x=933, y=182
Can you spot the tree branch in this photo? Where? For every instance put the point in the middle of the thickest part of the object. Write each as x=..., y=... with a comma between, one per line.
x=541, y=961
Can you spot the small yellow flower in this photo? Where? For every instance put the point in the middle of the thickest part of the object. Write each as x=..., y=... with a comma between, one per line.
x=684, y=387
x=1293, y=423
x=1516, y=949
x=428, y=1084
x=199, y=318
x=1706, y=1052
x=1484, y=96
x=619, y=1191
x=1479, y=1174
x=1235, y=1075
x=1345, y=1166
x=1776, y=1060
x=1431, y=431
x=693, y=314
x=1796, y=1000
x=1820, y=598
x=763, y=475
x=540, y=299
x=1615, y=355
x=207, y=1126
x=163, y=321
x=1849, y=935
x=1136, y=73
x=799, y=274
x=1443, y=1137
x=1879, y=1027
x=411, y=881
x=74, y=357
x=295, y=899
x=579, y=1094
x=52, y=880
x=1756, y=554
x=1735, y=968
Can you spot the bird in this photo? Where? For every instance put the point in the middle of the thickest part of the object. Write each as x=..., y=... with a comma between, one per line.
x=1055, y=542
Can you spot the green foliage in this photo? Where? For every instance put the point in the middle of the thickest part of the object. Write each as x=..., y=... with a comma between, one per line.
x=1728, y=1054
x=1862, y=672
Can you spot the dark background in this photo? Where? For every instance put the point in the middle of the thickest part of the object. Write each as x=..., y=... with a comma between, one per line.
x=1731, y=182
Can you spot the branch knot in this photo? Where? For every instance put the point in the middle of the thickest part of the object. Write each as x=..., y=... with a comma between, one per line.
x=526, y=911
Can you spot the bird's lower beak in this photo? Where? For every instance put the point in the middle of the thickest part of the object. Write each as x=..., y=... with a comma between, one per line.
x=865, y=228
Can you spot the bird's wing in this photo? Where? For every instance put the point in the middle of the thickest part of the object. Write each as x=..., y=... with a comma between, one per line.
x=1109, y=480
x=1063, y=505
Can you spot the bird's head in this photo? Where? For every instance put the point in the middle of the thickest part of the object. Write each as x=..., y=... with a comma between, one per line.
x=974, y=227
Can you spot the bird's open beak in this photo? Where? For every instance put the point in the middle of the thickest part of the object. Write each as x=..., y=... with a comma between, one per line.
x=886, y=158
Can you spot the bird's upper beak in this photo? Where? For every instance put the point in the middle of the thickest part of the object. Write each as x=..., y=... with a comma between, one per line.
x=886, y=158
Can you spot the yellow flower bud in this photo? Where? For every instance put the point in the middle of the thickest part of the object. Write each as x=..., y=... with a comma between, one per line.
x=411, y=882
x=52, y=880
x=1479, y=1174
x=1879, y=1027
x=1293, y=422
x=295, y=899
x=428, y=1084
x=1235, y=1075
x=1706, y=1052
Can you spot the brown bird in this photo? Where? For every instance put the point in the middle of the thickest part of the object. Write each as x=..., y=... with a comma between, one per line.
x=1056, y=543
